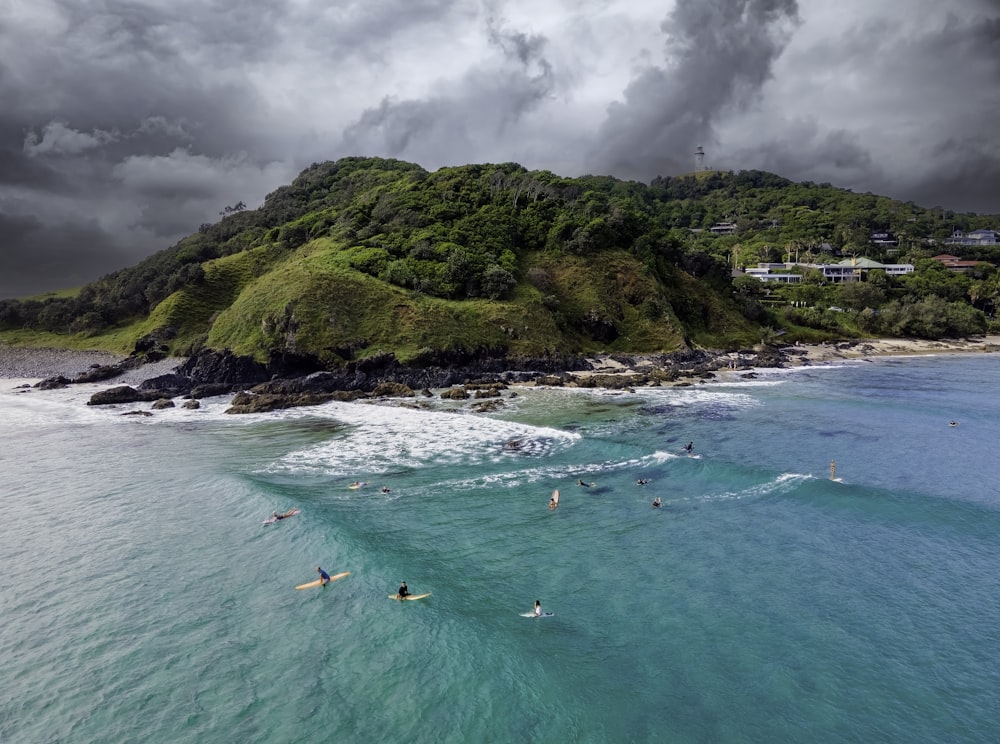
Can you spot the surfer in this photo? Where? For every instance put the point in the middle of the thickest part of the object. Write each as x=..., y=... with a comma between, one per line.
x=953, y=423
x=538, y=608
x=386, y=489
x=642, y=481
x=275, y=516
x=581, y=482
x=689, y=447
x=657, y=503
x=554, y=501
x=324, y=577
x=403, y=592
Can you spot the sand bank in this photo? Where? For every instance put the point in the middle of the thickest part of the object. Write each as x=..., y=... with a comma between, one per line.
x=826, y=353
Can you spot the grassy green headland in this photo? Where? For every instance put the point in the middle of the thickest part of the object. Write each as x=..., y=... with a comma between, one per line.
x=365, y=256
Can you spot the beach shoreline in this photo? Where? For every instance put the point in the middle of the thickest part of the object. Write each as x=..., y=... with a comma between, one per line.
x=730, y=365
x=36, y=364
x=803, y=354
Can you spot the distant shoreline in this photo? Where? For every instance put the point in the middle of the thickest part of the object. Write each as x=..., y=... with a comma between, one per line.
x=880, y=347
x=35, y=364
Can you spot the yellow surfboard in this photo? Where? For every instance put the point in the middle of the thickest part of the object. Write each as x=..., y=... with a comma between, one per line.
x=311, y=584
x=410, y=596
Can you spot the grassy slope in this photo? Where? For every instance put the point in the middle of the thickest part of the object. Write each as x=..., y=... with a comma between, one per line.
x=315, y=302
x=312, y=301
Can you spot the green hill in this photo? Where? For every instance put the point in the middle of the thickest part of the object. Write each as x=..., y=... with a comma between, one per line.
x=364, y=256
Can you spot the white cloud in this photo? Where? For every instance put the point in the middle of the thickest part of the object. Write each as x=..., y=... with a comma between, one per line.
x=57, y=138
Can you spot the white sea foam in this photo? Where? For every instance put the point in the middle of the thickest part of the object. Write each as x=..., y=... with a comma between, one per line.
x=549, y=473
x=781, y=484
x=382, y=438
x=677, y=397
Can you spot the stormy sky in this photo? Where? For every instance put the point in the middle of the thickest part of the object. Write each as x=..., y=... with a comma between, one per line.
x=124, y=124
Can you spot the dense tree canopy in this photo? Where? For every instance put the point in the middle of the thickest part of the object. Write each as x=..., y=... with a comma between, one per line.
x=462, y=232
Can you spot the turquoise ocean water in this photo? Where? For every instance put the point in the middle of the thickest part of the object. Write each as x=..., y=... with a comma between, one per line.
x=142, y=600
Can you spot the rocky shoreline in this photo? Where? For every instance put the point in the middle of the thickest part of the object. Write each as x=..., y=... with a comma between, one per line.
x=286, y=382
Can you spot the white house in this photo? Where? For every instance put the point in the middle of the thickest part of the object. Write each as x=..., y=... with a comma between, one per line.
x=849, y=270
x=973, y=237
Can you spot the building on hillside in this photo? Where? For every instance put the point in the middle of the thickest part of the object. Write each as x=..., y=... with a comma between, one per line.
x=765, y=275
x=973, y=237
x=954, y=263
x=849, y=270
x=723, y=228
x=866, y=264
x=883, y=239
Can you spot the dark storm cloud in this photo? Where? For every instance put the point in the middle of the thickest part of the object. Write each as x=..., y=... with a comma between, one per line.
x=33, y=252
x=719, y=53
x=124, y=124
x=813, y=155
x=104, y=93
x=906, y=111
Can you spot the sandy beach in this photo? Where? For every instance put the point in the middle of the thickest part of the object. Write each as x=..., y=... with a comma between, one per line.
x=826, y=353
x=23, y=363
x=726, y=365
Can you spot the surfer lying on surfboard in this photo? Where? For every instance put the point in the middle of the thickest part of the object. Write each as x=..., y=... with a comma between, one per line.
x=275, y=517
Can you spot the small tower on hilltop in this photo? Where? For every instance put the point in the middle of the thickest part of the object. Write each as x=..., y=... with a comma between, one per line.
x=699, y=159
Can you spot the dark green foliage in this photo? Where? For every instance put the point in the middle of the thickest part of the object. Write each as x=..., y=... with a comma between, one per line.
x=464, y=233
x=930, y=317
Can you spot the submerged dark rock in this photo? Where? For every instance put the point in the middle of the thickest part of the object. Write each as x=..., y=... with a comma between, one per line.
x=289, y=380
x=122, y=394
x=169, y=385
x=53, y=383
x=264, y=402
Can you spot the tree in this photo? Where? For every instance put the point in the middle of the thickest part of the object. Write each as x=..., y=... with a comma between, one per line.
x=860, y=295
x=237, y=207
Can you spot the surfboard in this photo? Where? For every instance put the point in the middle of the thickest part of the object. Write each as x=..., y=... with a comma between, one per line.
x=408, y=597
x=554, y=501
x=356, y=486
x=273, y=520
x=312, y=584
x=532, y=614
